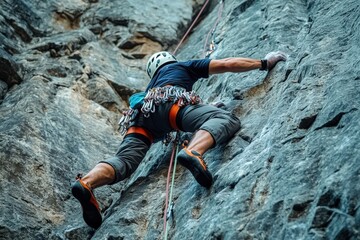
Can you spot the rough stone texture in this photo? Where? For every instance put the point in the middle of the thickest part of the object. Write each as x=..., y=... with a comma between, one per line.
x=291, y=172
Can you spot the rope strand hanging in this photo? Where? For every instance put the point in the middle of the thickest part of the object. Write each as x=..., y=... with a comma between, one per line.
x=191, y=26
x=173, y=161
x=212, y=46
x=168, y=211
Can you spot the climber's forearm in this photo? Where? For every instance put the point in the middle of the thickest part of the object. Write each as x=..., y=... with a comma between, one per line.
x=233, y=65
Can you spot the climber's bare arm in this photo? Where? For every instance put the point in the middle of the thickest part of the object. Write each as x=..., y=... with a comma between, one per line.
x=233, y=65
x=237, y=64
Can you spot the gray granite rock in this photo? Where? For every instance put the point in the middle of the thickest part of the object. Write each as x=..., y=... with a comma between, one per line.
x=291, y=172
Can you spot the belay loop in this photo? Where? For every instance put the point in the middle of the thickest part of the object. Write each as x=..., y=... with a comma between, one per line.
x=169, y=138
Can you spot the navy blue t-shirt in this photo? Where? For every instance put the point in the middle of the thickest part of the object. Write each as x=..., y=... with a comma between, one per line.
x=182, y=74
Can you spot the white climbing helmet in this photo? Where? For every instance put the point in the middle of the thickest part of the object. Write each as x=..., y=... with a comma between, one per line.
x=157, y=60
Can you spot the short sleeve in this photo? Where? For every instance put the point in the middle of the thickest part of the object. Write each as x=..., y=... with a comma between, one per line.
x=198, y=68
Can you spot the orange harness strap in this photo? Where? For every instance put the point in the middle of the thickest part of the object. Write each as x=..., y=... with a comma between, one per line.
x=172, y=116
x=172, y=119
x=141, y=131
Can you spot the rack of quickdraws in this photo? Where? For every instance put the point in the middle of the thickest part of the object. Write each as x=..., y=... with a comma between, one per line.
x=156, y=96
x=128, y=116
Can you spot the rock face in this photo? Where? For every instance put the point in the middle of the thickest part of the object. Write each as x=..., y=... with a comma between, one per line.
x=291, y=172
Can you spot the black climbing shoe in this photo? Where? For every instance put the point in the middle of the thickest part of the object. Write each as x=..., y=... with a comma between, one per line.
x=197, y=166
x=90, y=207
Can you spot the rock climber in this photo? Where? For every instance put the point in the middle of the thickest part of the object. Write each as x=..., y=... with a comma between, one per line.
x=154, y=114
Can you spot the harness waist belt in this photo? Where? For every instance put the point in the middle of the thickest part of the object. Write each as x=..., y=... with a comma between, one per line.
x=172, y=116
x=141, y=131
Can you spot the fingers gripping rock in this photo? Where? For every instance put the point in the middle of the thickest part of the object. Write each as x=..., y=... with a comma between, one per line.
x=273, y=58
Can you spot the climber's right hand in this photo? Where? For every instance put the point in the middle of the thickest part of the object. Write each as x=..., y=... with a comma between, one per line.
x=273, y=58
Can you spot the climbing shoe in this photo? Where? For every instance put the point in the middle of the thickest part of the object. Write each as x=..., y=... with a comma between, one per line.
x=90, y=207
x=193, y=161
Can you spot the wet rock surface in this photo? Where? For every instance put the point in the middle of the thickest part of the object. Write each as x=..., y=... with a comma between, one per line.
x=291, y=172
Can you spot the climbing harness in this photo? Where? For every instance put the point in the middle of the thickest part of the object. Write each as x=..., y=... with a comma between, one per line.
x=142, y=131
x=212, y=46
x=169, y=204
x=156, y=96
x=172, y=116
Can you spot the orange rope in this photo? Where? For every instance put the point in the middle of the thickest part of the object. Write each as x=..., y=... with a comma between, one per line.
x=167, y=186
x=169, y=201
x=191, y=26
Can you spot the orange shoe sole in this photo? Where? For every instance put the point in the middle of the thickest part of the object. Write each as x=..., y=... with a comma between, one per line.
x=90, y=207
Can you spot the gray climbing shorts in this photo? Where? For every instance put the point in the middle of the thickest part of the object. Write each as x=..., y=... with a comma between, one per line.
x=221, y=124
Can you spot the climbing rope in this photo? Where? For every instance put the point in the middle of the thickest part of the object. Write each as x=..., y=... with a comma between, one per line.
x=191, y=26
x=169, y=204
x=212, y=46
